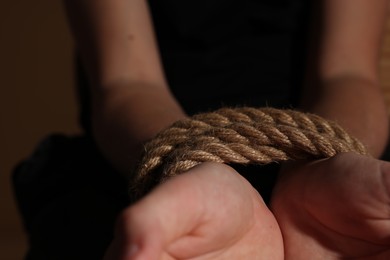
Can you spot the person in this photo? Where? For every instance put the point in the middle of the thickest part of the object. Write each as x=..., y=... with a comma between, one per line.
x=149, y=64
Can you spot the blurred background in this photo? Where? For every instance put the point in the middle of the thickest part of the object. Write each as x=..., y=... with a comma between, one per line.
x=37, y=97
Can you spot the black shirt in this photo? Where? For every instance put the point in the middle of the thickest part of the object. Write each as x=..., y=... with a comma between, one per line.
x=215, y=53
x=227, y=53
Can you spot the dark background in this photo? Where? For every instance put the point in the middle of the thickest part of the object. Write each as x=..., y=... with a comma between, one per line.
x=37, y=97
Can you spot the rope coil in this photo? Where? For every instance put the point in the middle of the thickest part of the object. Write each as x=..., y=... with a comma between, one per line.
x=242, y=136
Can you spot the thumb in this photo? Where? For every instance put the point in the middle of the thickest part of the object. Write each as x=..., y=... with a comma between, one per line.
x=147, y=228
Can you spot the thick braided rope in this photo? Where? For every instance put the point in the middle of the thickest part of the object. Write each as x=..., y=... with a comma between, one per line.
x=241, y=136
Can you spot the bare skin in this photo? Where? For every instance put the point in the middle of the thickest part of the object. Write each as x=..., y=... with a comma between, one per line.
x=132, y=102
x=337, y=208
x=210, y=212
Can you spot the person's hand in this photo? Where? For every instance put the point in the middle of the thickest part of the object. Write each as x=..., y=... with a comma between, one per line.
x=210, y=212
x=337, y=208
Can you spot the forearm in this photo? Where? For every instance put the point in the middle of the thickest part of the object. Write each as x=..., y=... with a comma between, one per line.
x=125, y=117
x=115, y=39
x=131, y=100
x=342, y=77
x=357, y=104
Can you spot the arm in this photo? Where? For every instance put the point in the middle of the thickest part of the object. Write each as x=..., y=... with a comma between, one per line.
x=343, y=82
x=210, y=212
x=338, y=208
x=131, y=100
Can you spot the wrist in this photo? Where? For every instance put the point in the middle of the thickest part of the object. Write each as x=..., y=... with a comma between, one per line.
x=124, y=118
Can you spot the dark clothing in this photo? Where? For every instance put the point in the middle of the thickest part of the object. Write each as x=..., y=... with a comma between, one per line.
x=227, y=53
x=215, y=53
x=69, y=198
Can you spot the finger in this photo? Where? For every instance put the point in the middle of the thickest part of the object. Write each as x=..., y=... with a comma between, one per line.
x=170, y=211
x=354, y=187
x=226, y=204
x=134, y=240
x=185, y=207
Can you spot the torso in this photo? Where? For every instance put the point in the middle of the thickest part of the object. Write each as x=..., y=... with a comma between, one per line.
x=227, y=53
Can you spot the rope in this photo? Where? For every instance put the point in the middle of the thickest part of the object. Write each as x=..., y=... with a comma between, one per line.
x=241, y=136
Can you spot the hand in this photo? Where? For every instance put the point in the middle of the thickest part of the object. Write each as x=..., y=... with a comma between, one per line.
x=210, y=212
x=334, y=209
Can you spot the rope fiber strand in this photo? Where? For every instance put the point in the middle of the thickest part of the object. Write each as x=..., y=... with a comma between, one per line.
x=243, y=135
